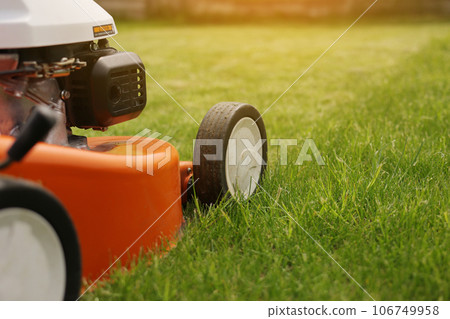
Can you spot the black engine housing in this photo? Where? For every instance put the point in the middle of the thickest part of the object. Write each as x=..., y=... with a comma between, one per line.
x=110, y=90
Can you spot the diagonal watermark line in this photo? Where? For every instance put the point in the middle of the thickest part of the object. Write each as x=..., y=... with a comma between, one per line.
x=316, y=242
x=137, y=239
x=137, y=62
x=316, y=60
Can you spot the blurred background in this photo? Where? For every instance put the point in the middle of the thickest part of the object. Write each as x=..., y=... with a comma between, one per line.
x=251, y=10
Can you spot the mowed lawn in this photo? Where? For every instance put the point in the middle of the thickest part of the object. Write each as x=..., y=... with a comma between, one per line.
x=377, y=107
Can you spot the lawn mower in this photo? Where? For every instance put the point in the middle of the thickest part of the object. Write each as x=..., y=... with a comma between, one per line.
x=70, y=205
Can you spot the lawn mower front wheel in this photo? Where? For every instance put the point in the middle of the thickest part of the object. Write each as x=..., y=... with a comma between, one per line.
x=230, y=152
x=40, y=254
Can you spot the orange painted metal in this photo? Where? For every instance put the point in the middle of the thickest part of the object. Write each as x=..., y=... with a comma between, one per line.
x=114, y=207
x=185, y=176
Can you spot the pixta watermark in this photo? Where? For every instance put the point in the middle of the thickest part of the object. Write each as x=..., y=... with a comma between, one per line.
x=243, y=151
x=150, y=148
x=308, y=148
x=143, y=147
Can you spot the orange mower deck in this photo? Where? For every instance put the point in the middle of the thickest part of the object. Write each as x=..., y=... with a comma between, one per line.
x=115, y=200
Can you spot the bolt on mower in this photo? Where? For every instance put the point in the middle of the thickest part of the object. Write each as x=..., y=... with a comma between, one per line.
x=70, y=204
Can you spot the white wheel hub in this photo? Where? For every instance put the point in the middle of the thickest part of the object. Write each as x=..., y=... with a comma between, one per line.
x=243, y=160
x=32, y=263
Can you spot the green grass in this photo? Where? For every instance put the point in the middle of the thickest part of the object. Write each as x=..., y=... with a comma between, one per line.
x=377, y=107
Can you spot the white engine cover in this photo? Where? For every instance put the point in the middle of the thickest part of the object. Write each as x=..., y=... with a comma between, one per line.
x=38, y=23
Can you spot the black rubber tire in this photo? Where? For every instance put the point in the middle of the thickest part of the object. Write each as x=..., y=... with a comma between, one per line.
x=211, y=184
x=23, y=194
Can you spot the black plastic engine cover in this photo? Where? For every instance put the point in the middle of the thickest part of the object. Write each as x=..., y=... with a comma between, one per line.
x=109, y=91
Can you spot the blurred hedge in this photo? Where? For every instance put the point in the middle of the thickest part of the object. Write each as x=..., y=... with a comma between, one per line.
x=232, y=10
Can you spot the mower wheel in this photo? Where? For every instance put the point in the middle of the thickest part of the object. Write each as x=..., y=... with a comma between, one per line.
x=40, y=254
x=230, y=152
